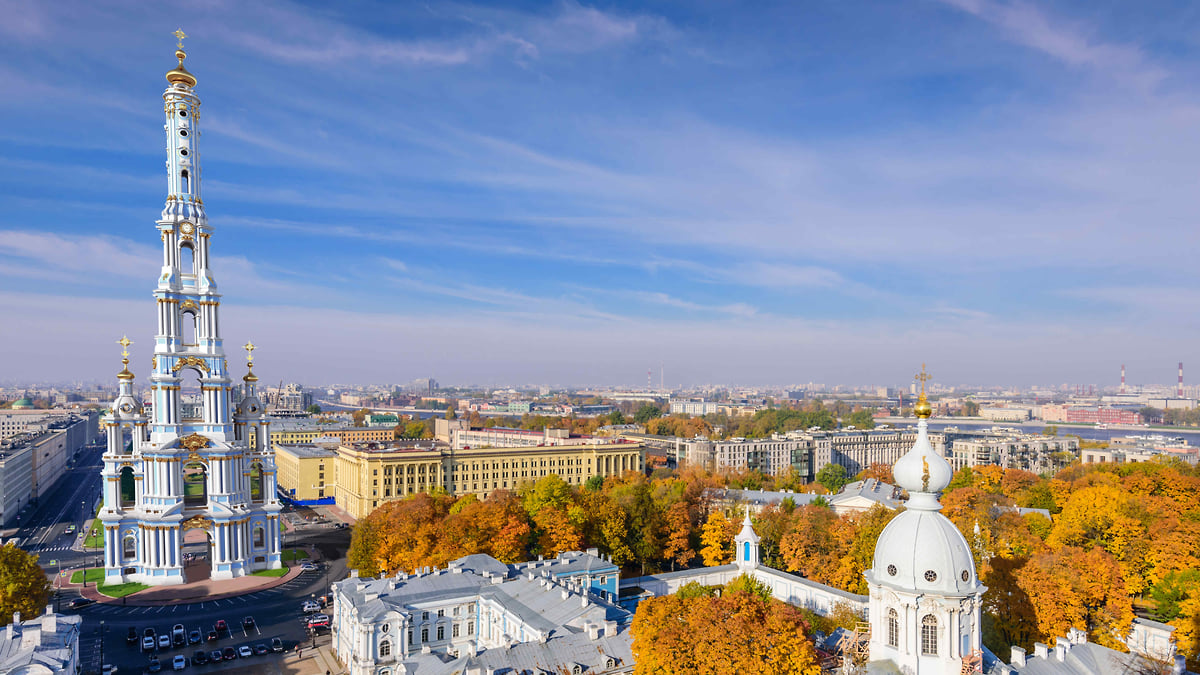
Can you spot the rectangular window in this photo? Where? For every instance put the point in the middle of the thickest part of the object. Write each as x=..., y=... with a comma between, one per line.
x=470, y=628
x=424, y=635
x=441, y=634
x=454, y=632
x=441, y=613
x=424, y=616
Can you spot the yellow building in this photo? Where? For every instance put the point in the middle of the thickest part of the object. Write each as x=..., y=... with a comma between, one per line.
x=366, y=476
x=305, y=472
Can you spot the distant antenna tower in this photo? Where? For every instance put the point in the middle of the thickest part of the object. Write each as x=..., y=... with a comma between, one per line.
x=1122, y=379
x=649, y=381
x=662, y=376
x=1179, y=389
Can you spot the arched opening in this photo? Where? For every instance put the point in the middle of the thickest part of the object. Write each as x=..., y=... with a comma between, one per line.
x=256, y=482
x=929, y=624
x=187, y=321
x=187, y=258
x=260, y=536
x=195, y=484
x=385, y=648
x=191, y=398
x=127, y=486
x=893, y=628
x=128, y=547
x=196, y=552
x=183, y=181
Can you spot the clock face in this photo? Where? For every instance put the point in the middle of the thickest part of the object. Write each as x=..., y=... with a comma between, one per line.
x=186, y=228
x=125, y=408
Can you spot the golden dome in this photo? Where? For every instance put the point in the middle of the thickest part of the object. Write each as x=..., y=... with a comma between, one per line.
x=922, y=408
x=125, y=374
x=179, y=73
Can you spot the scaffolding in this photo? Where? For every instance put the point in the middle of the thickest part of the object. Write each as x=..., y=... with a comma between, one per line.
x=972, y=663
x=854, y=649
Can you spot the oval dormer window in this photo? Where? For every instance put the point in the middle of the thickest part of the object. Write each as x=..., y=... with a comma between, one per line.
x=183, y=152
x=183, y=113
x=930, y=576
x=183, y=132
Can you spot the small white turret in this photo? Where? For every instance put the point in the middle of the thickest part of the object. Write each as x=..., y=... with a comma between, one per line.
x=746, y=546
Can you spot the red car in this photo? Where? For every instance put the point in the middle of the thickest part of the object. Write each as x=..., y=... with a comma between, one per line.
x=221, y=626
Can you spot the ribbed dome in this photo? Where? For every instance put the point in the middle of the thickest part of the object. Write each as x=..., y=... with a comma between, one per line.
x=923, y=551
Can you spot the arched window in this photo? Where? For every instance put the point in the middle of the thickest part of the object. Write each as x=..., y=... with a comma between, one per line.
x=385, y=648
x=260, y=536
x=128, y=547
x=187, y=321
x=187, y=262
x=256, y=482
x=128, y=492
x=893, y=628
x=183, y=181
x=929, y=635
x=195, y=484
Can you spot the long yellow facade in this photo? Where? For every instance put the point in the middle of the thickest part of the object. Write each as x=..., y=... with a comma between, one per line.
x=362, y=477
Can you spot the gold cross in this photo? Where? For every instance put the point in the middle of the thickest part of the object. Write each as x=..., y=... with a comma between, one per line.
x=923, y=377
x=124, y=342
x=249, y=347
x=180, y=34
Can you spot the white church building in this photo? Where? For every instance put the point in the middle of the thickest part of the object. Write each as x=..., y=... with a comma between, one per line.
x=198, y=466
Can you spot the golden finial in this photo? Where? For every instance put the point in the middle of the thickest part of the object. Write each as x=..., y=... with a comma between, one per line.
x=179, y=74
x=250, y=376
x=923, y=410
x=125, y=342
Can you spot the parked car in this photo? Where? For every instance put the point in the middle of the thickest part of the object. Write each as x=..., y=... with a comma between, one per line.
x=132, y=637
x=229, y=654
x=215, y=656
x=148, y=643
x=261, y=648
x=318, y=621
x=199, y=658
x=276, y=644
x=220, y=626
x=149, y=632
x=248, y=623
x=213, y=636
x=164, y=641
x=80, y=602
x=179, y=663
x=309, y=607
x=178, y=632
x=194, y=637
x=245, y=651
x=154, y=666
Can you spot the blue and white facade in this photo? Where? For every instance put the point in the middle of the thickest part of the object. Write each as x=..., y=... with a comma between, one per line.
x=201, y=458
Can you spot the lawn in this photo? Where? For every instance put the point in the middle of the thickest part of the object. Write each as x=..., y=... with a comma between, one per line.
x=121, y=590
x=94, y=575
x=95, y=537
x=293, y=554
x=282, y=571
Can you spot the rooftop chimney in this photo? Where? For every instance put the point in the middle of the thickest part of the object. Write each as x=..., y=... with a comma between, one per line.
x=1061, y=647
x=1040, y=650
x=1018, y=657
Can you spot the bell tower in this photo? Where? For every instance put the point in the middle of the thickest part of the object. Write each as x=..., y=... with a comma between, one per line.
x=184, y=470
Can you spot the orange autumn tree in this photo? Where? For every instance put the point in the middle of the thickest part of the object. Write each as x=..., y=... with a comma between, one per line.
x=744, y=632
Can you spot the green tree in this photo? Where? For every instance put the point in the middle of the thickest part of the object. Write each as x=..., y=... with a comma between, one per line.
x=1050, y=431
x=360, y=417
x=24, y=587
x=594, y=484
x=861, y=419
x=970, y=409
x=833, y=477
x=615, y=417
x=313, y=409
x=646, y=413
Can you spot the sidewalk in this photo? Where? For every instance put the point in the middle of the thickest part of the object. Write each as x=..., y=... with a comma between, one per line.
x=205, y=590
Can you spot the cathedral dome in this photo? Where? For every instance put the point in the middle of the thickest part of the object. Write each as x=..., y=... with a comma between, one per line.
x=923, y=551
x=22, y=404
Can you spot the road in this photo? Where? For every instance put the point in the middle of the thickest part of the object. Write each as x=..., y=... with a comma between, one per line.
x=42, y=527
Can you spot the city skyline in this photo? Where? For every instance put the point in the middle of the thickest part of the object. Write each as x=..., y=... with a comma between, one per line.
x=576, y=193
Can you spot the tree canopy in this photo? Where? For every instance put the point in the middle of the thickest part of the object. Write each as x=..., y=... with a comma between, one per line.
x=24, y=587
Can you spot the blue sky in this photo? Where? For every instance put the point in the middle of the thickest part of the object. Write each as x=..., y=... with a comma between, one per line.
x=575, y=193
